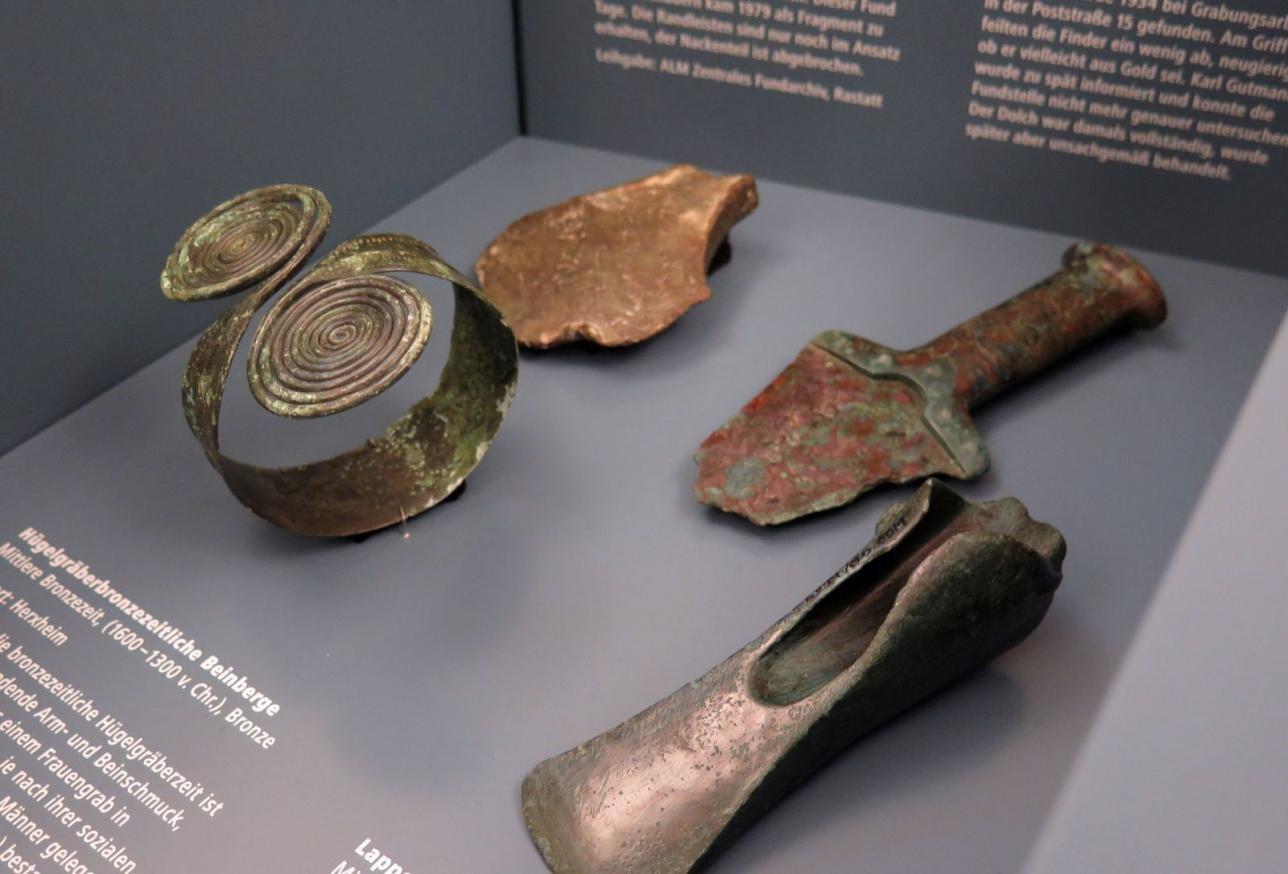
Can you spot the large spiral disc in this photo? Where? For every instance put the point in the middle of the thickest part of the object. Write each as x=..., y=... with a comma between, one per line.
x=245, y=240
x=326, y=348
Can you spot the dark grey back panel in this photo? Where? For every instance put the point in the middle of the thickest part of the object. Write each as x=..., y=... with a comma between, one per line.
x=914, y=150
x=124, y=122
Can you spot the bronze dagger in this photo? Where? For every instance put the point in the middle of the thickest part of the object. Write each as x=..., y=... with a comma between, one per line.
x=849, y=414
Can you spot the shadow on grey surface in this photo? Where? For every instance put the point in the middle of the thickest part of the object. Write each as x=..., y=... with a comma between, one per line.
x=1085, y=365
x=396, y=692
x=276, y=541
x=957, y=730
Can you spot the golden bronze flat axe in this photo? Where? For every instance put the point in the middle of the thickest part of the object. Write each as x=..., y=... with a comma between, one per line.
x=849, y=414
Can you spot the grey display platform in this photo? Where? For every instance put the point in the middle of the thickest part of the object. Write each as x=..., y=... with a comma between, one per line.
x=577, y=581
x=1185, y=768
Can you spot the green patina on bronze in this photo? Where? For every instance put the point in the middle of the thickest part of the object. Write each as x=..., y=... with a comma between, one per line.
x=341, y=335
x=945, y=587
x=849, y=414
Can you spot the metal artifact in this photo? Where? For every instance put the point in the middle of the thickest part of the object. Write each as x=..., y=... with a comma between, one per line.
x=849, y=414
x=944, y=587
x=343, y=333
x=617, y=266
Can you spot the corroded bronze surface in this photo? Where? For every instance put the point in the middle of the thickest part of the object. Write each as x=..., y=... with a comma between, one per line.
x=617, y=266
x=944, y=587
x=326, y=347
x=341, y=335
x=849, y=414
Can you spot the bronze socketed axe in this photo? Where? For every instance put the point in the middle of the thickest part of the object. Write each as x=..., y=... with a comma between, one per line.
x=943, y=588
x=849, y=414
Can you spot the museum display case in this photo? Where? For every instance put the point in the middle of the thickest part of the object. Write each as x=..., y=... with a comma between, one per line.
x=653, y=208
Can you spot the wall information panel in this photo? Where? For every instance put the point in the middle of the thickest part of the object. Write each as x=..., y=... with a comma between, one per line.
x=1161, y=123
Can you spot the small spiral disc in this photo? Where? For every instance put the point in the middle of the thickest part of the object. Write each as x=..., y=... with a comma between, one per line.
x=244, y=240
x=326, y=348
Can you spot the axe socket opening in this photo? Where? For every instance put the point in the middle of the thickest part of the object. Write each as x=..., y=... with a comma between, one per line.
x=833, y=634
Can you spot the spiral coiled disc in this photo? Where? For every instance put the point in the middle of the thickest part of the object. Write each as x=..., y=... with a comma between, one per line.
x=244, y=241
x=326, y=348
x=343, y=333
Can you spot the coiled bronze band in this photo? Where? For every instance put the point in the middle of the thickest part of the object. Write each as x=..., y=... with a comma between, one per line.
x=340, y=336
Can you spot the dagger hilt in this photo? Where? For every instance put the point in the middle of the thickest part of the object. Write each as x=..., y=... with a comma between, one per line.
x=1099, y=290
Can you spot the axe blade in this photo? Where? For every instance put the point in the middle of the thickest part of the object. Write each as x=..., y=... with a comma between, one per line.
x=845, y=416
